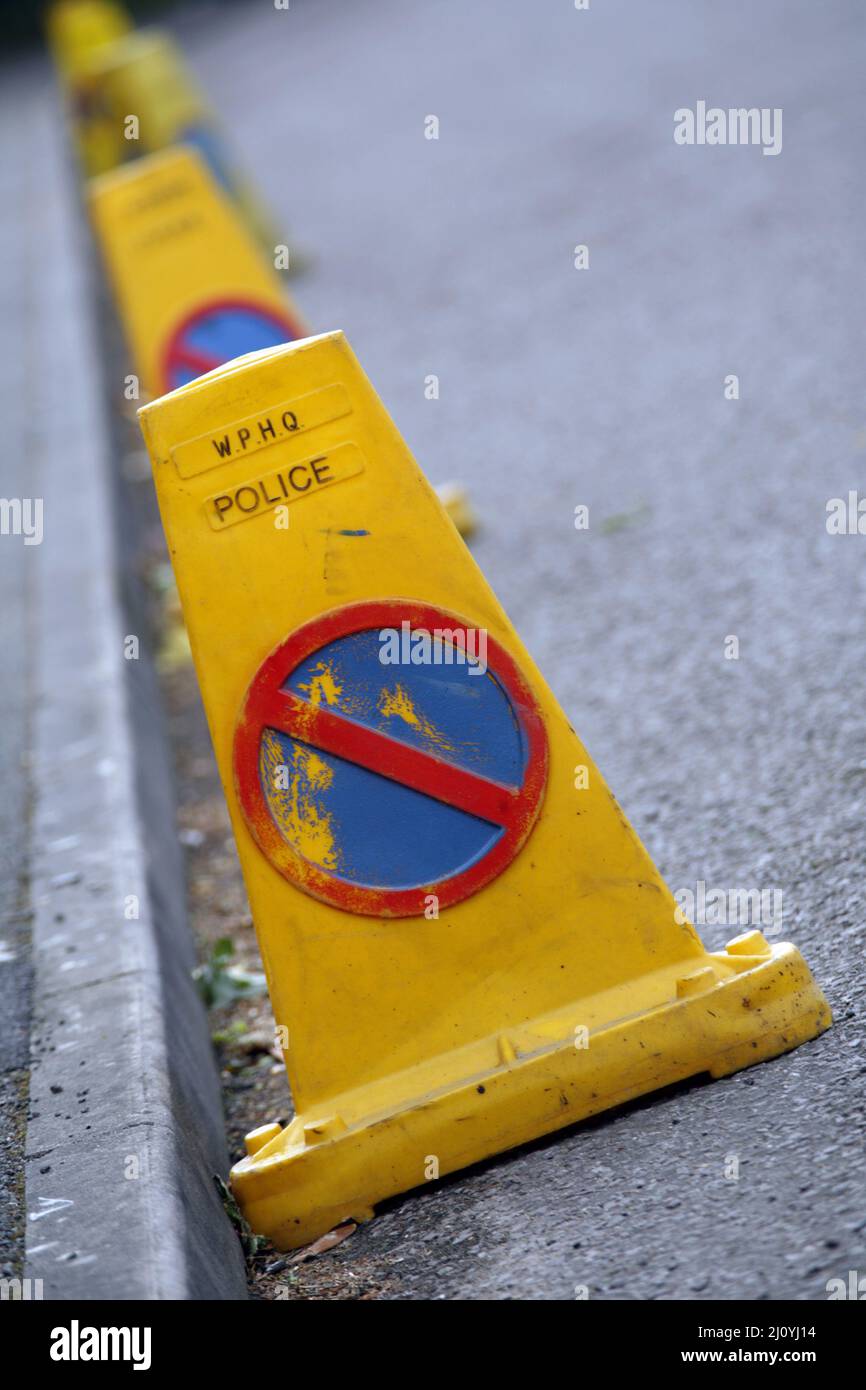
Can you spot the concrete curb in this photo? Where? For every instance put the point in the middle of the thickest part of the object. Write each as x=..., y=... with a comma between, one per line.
x=126, y=1130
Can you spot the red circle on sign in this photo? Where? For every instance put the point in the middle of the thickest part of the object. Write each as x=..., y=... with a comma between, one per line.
x=180, y=354
x=268, y=706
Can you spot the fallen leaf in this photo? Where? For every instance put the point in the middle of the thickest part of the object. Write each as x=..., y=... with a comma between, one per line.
x=327, y=1242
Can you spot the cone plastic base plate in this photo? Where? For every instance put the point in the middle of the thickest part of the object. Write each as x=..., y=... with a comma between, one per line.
x=744, y=1005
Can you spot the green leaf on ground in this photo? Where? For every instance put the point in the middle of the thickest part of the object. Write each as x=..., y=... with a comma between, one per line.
x=219, y=982
x=620, y=521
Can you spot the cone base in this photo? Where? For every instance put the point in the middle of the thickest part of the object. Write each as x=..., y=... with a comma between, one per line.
x=730, y=1010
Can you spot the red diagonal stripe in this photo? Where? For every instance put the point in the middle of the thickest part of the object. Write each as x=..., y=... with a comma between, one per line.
x=200, y=362
x=399, y=762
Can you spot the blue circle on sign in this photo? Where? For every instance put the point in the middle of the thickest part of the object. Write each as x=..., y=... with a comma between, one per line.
x=387, y=751
x=367, y=829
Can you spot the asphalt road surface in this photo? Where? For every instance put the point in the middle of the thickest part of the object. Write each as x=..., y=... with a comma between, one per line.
x=606, y=387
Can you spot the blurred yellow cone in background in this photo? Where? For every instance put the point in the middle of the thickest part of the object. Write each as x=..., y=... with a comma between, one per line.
x=192, y=286
x=78, y=32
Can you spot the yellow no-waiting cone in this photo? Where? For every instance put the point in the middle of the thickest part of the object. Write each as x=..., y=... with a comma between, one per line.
x=467, y=946
x=192, y=285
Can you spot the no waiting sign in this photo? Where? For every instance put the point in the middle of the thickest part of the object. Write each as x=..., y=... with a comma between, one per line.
x=217, y=332
x=373, y=783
